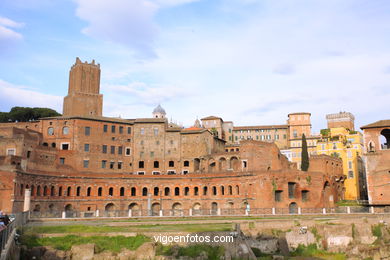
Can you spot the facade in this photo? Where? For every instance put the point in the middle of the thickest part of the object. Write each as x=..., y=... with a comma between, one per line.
x=347, y=145
x=84, y=162
x=376, y=138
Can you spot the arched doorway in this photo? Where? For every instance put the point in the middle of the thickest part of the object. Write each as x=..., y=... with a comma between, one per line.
x=196, y=210
x=69, y=213
x=214, y=208
x=196, y=165
x=110, y=210
x=385, y=139
x=222, y=165
x=177, y=209
x=234, y=164
x=293, y=208
x=135, y=209
x=156, y=209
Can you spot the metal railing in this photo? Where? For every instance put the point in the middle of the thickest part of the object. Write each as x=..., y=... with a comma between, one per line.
x=139, y=213
x=7, y=233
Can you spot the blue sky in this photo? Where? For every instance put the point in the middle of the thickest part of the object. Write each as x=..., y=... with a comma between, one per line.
x=248, y=61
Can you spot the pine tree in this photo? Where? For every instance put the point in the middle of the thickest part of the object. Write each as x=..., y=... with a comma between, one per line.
x=304, y=155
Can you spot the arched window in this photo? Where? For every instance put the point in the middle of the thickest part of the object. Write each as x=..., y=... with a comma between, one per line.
x=100, y=191
x=122, y=191
x=177, y=191
x=230, y=190
x=133, y=191
x=78, y=191
x=186, y=191
x=186, y=163
x=166, y=191
x=156, y=164
x=45, y=193
x=145, y=191
x=39, y=190
x=111, y=191
x=196, y=191
x=155, y=191
x=89, y=191
x=214, y=190
x=237, y=190
x=52, y=192
x=222, y=190
x=205, y=190
x=32, y=190
x=21, y=189
x=59, y=191
x=69, y=190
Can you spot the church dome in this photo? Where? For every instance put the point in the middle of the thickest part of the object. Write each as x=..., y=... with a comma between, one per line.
x=159, y=109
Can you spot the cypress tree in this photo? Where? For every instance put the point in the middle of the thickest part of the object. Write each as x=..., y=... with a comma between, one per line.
x=304, y=155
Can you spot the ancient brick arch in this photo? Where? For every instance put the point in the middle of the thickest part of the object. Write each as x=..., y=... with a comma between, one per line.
x=234, y=163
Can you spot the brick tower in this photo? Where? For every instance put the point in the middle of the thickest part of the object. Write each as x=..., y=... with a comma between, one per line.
x=83, y=97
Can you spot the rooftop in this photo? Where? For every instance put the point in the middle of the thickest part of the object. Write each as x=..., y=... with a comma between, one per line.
x=377, y=124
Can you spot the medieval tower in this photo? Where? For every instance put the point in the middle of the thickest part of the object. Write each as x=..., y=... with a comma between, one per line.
x=83, y=97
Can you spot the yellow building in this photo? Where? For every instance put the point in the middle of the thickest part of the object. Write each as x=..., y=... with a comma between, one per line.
x=348, y=145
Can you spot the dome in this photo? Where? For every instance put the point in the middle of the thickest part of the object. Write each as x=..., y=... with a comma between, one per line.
x=159, y=109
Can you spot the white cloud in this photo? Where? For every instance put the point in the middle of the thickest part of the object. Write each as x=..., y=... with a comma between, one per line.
x=6, y=30
x=129, y=23
x=16, y=95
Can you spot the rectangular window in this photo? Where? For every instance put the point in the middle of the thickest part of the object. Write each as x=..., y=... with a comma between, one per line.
x=105, y=128
x=86, y=163
x=28, y=154
x=142, y=131
x=86, y=147
x=104, y=148
x=128, y=130
x=112, y=165
x=141, y=173
x=141, y=164
x=62, y=160
x=120, y=149
x=120, y=165
x=11, y=151
x=128, y=151
x=291, y=190
x=156, y=173
x=112, y=149
x=87, y=130
x=121, y=129
x=112, y=129
x=278, y=195
x=151, y=154
x=349, y=165
x=350, y=174
x=284, y=136
x=155, y=131
x=65, y=146
x=104, y=164
x=305, y=195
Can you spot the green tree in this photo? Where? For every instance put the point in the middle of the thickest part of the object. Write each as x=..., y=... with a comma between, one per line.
x=3, y=117
x=24, y=114
x=305, y=155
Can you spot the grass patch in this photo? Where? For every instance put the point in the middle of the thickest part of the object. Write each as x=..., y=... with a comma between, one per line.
x=377, y=230
x=312, y=251
x=346, y=203
x=212, y=252
x=102, y=243
x=132, y=228
x=315, y=233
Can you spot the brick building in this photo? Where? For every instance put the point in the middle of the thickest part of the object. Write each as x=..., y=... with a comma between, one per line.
x=376, y=137
x=84, y=162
